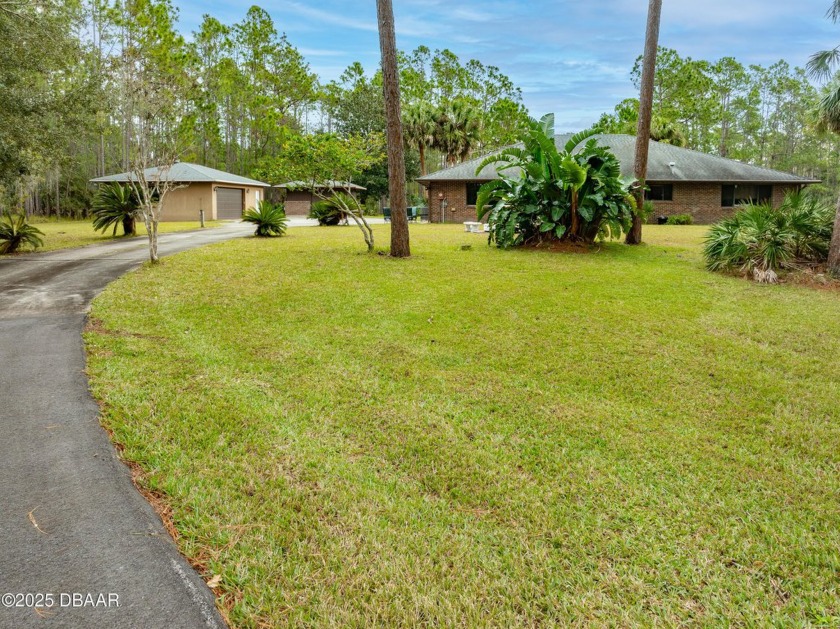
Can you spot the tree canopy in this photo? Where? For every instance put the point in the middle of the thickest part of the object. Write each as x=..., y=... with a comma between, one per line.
x=756, y=114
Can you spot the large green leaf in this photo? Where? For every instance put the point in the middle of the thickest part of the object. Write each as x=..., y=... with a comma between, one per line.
x=488, y=191
x=574, y=175
x=575, y=141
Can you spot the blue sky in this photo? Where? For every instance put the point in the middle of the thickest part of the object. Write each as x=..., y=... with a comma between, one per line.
x=570, y=58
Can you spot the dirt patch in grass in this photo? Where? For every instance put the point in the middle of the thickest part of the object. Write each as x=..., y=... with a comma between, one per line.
x=96, y=326
x=813, y=276
x=565, y=246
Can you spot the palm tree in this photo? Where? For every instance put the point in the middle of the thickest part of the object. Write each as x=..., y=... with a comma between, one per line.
x=458, y=130
x=667, y=132
x=15, y=231
x=115, y=205
x=634, y=236
x=270, y=219
x=419, y=128
x=822, y=65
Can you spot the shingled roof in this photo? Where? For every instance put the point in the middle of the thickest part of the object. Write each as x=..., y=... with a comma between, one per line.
x=688, y=166
x=330, y=184
x=184, y=172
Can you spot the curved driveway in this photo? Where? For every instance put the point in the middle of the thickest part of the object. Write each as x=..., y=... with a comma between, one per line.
x=72, y=524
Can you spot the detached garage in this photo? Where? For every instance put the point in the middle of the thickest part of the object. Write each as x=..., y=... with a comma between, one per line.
x=222, y=196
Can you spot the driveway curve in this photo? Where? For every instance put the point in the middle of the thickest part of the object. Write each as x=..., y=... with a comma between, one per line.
x=77, y=537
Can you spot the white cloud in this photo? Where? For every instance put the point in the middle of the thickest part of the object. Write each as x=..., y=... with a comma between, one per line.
x=327, y=17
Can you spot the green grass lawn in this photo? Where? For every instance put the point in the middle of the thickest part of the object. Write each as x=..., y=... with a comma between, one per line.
x=482, y=437
x=65, y=233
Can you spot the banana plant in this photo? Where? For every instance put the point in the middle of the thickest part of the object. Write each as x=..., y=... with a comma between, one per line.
x=542, y=192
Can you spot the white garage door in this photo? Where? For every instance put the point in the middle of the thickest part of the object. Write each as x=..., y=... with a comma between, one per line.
x=229, y=203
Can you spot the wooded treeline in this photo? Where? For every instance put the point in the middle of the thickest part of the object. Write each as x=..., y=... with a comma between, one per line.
x=72, y=73
x=244, y=92
x=767, y=116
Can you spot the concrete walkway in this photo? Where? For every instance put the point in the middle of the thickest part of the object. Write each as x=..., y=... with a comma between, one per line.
x=73, y=526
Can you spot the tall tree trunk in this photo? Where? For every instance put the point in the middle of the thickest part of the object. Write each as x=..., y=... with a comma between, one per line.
x=396, y=157
x=634, y=236
x=834, y=249
x=422, y=148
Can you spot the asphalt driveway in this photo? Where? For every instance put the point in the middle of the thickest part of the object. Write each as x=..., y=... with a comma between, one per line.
x=80, y=546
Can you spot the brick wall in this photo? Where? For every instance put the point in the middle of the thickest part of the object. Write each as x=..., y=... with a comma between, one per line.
x=455, y=193
x=298, y=203
x=702, y=201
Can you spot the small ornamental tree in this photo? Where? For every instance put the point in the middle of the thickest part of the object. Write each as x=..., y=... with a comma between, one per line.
x=158, y=124
x=316, y=160
x=576, y=194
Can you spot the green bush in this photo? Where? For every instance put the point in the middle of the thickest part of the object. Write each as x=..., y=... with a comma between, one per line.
x=371, y=207
x=326, y=213
x=759, y=239
x=115, y=205
x=575, y=194
x=270, y=219
x=15, y=231
x=680, y=219
x=334, y=209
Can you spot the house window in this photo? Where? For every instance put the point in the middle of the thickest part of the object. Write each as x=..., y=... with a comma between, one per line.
x=660, y=192
x=732, y=195
x=472, y=193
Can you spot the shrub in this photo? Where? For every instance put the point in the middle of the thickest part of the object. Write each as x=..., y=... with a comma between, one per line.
x=15, y=231
x=371, y=207
x=326, y=213
x=115, y=205
x=334, y=209
x=574, y=194
x=759, y=239
x=680, y=219
x=270, y=219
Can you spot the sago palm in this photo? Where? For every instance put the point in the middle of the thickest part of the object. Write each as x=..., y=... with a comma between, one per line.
x=270, y=219
x=115, y=205
x=16, y=231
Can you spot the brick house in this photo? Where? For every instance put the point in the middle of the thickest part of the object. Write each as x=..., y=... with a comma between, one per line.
x=681, y=181
x=298, y=196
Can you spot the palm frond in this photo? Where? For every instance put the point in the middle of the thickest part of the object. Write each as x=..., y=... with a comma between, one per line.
x=821, y=65
x=833, y=12
x=828, y=116
x=574, y=141
x=487, y=192
x=511, y=156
